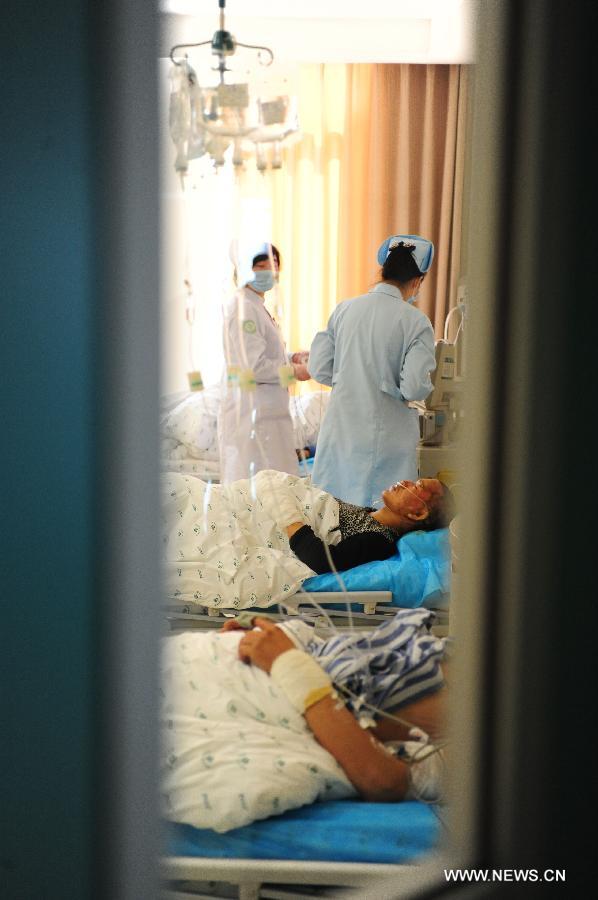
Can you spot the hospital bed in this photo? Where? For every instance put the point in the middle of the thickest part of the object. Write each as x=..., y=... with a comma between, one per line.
x=205, y=469
x=209, y=469
x=330, y=844
x=188, y=430
x=182, y=617
x=419, y=575
x=366, y=603
x=325, y=845
x=315, y=850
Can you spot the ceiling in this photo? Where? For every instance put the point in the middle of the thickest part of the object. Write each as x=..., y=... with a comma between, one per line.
x=400, y=31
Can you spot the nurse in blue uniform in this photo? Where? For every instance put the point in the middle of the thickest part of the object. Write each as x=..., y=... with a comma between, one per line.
x=376, y=353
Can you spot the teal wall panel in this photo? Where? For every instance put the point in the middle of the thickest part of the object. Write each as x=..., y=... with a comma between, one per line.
x=47, y=375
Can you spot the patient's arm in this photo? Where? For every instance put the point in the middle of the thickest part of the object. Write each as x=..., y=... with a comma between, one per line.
x=375, y=773
x=352, y=551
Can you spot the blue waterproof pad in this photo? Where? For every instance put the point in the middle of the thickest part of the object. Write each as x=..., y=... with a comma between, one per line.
x=418, y=575
x=333, y=831
x=306, y=465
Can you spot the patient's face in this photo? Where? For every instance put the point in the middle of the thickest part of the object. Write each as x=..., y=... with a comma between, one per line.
x=413, y=497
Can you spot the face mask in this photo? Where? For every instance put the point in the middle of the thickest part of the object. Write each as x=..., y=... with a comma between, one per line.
x=414, y=297
x=263, y=280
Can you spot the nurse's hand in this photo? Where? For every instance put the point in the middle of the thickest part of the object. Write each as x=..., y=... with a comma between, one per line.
x=264, y=644
x=301, y=373
x=300, y=357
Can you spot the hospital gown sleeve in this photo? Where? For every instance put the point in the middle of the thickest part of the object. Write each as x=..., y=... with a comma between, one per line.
x=352, y=551
x=418, y=362
x=321, y=355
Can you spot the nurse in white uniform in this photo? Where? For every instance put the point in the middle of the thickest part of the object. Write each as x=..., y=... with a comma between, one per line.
x=255, y=428
x=377, y=354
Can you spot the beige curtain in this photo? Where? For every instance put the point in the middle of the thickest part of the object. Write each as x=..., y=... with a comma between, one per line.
x=403, y=172
x=381, y=151
x=306, y=203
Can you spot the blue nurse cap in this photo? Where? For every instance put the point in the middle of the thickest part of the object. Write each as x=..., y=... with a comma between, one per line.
x=423, y=252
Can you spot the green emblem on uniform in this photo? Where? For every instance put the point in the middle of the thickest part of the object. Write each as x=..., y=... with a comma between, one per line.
x=249, y=326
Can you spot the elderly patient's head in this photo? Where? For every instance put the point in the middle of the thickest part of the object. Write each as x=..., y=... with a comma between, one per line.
x=419, y=505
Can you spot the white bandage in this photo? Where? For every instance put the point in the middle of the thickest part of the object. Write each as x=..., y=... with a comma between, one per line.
x=281, y=507
x=301, y=679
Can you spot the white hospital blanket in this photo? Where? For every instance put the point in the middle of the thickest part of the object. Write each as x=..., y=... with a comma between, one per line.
x=221, y=548
x=233, y=748
x=307, y=412
x=189, y=422
x=189, y=429
x=206, y=469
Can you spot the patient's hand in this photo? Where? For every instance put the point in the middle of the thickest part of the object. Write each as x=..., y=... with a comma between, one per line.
x=232, y=625
x=264, y=644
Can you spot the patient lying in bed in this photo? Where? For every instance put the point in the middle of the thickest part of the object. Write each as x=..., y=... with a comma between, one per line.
x=260, y=721
x=253, y=542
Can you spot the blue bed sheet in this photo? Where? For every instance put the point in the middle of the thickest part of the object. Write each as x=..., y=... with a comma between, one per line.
x=334, y=831
x=306, y=466
x=418, y=575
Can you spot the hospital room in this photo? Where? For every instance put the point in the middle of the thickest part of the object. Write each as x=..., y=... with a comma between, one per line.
x=294, y=333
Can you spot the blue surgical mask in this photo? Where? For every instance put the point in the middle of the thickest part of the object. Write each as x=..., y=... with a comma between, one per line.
x=263, y=280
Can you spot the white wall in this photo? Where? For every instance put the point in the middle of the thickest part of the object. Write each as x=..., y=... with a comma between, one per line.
x=198, y=225
x=399, y=31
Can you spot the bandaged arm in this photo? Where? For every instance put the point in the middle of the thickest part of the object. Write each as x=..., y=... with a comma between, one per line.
x=281, y=505
x=374, y=772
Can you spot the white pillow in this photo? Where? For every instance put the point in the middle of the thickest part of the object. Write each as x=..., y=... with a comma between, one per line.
x=193, y=423
x=307, y=412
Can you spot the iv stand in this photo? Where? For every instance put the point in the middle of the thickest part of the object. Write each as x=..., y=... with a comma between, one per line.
x=223, y=44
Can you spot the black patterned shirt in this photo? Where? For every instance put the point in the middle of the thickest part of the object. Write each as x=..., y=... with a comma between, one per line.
x=363, y=539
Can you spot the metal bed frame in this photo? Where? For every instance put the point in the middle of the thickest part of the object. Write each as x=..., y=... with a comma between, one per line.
x=189, y=615
x=376, y=608
x=193, y=878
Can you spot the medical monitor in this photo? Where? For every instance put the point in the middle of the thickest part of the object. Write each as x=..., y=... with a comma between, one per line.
x=447, y=383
